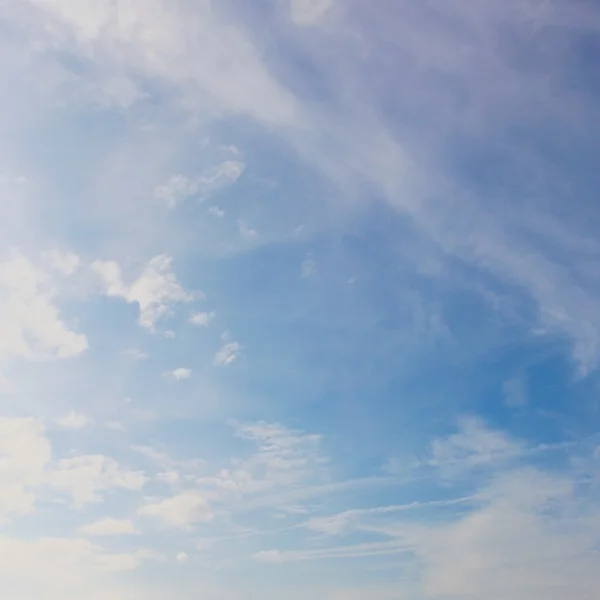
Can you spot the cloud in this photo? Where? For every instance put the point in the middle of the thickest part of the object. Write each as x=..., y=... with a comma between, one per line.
x=269, y=556
x=284, y=460
x=202, y=319
x=179, y=187
x=527, y=540
x=85, y=478
x=155, y=291
x=180, y=511
x=135, y=354
x=31, y=325
x=109, y=526
x=308, y=266
x=215, y=211
x=65, y=263
x=475, y=445
x=309, y=12
x=246, y=231
x=227, y=354
x=182, y=558
x=63, y=567
x=179, y=374
x=73, y=420
x=25, y=453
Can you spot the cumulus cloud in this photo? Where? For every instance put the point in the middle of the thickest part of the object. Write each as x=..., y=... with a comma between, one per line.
x=31, y=325
x=155, y=291
x=179, y=511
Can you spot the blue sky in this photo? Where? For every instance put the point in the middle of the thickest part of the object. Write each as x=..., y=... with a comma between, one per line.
x=299, y=297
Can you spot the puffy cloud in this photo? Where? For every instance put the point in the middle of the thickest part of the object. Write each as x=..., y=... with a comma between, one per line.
x=109, y=526
x=179, y=511
x=86, y=477
x=155, y=291
x=31, y=325
x=202, y=319
x=179, y=374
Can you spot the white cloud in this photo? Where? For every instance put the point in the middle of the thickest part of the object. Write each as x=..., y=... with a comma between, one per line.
x=202, y=319
x=284, y=461
x=25, y=453
x=109, y=526
x=215, y=211
x=528, y=540
x=179, y=187
x=73, y=420
x=182, y=557
x=179, y=374
x=179, y=511
x=65, y=263
x=475, y=445
x=85, y=478
x=309, y=12
x=227, y=354
x=63, y=568
x=155, y=291
x=31, y=325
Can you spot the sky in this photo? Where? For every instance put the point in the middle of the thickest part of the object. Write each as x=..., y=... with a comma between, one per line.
x=299, y=298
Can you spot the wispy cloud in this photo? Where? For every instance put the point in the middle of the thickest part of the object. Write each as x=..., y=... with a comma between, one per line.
x=227, y=354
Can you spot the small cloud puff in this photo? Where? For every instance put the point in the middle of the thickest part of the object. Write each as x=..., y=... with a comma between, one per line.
x=179, y=374
x=73, y=420
x=179, y=511
x=202, y=319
